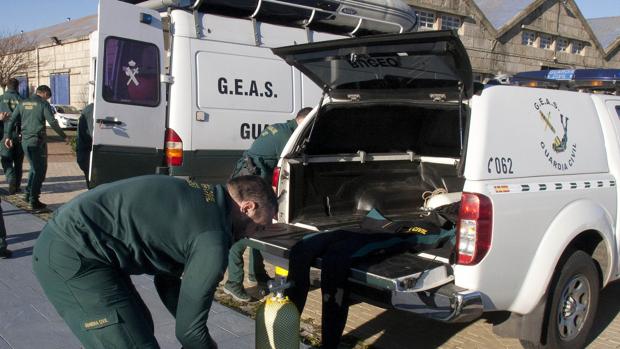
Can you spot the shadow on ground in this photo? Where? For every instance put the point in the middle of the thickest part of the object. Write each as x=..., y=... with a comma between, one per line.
x=608, y=308
x=402, y=330
x=17, y=238
x=62, y=187
x=63, y=179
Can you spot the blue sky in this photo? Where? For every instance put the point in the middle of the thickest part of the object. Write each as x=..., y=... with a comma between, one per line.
x=33, y=14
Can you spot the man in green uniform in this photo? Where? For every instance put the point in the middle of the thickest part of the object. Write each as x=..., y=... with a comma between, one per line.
x=177, y=230
x=32, y=113
x=12, y=159
x=85, y=140
x=261, y=159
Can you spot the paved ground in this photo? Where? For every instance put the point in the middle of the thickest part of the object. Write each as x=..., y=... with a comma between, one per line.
x=28, y=321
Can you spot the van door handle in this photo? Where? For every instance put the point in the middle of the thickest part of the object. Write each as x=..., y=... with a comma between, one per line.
x=109, y=121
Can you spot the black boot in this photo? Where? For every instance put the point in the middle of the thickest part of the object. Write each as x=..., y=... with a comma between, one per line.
x=38, y=206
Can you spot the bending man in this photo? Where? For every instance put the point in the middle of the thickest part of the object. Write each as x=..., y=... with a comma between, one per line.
x=177, y=230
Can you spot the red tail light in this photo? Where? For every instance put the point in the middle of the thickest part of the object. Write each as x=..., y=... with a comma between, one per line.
x=173, y=148
x=275, y=179
x=473, y=231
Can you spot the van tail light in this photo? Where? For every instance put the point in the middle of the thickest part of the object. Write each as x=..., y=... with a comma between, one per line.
x=474, y=228
x=173, y=148
x=275, y=179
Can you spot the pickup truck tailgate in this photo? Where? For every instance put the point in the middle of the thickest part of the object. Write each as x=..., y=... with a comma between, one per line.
x=405, y=271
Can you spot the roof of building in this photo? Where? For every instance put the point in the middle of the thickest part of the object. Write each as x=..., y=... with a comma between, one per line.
x=75, y=28
x=606, y=29
x=500, y=12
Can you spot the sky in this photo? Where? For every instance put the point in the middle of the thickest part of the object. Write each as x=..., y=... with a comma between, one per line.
x=28, y=15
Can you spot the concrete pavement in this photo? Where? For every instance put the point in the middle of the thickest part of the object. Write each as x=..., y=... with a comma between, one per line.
x=22, y=305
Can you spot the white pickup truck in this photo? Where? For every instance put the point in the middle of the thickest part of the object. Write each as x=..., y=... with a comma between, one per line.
x=534, y=170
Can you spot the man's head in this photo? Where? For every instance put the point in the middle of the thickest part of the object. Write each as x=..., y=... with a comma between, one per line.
x=302, y=114
x=44, y=92
x=254, y=206
x=12, y=84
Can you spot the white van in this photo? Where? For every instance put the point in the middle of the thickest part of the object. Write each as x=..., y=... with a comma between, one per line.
x=186, y=90
x=534, y=172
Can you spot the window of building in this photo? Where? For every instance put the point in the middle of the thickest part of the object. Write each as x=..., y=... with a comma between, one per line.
x=528, y=38
x=545, y=42
x=577, y=47
x=59, y=84
x=22, y=89
x=450, y=22
x=561, y=45
x=426, y=20
x=131, y=72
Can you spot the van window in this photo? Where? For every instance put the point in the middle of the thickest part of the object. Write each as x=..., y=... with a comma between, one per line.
x=131, y=72
x=618, y=110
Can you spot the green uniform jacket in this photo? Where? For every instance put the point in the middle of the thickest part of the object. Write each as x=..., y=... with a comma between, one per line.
x=32, y=113
x=85, y=130
x=266, y=149
x=157, y=225
x=8, y=102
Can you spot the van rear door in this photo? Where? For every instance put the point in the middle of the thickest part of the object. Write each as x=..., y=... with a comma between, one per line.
x=130, y=103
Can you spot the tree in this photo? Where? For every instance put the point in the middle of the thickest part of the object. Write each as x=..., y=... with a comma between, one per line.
x=16, y=55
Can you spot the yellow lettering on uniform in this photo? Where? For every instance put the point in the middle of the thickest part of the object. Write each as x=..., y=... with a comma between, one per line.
x=417, y=230
x=28, y=107
x=95, y=323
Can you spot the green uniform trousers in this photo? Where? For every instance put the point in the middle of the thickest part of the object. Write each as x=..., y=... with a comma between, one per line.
x=37, y=158
x=98, y=302
x=235, y=264
x=12, y=165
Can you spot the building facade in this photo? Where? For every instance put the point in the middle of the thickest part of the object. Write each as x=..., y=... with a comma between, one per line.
x=506, y=37
x=60, y=60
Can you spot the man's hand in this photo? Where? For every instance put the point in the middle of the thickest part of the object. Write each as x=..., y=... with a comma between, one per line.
x=4, y=115
x=8, y=143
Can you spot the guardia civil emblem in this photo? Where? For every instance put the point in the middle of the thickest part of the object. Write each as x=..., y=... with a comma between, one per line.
x=555, y=143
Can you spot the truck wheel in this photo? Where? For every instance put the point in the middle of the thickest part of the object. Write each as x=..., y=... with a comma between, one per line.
x=574, y=300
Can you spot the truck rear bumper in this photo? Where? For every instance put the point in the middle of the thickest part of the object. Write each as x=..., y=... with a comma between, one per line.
x=447, y=303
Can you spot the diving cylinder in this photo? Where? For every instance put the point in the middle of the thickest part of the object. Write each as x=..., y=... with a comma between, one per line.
x=277, y=320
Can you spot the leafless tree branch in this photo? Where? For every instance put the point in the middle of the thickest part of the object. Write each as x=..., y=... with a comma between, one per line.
x=16, y=55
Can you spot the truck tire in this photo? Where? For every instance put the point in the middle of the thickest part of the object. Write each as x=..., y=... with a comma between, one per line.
x=573, y=300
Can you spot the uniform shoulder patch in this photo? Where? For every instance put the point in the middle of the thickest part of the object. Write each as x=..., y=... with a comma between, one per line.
x=272, y=129
x=207, y=190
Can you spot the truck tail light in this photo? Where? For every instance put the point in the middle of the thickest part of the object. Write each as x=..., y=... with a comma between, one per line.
x=275, y=179
x=173, y=148
x=474, y=228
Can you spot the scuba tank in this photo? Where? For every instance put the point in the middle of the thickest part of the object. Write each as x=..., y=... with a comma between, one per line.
x=277, y=320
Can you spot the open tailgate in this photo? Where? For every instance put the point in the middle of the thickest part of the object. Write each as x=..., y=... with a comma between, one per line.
x=403, y=272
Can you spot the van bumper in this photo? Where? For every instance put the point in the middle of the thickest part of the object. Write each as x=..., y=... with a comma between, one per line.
x=447, y=303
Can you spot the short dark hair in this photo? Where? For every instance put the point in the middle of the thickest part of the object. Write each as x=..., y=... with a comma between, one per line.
x=253, y=188
x=12, y=84
x=44, y=89
x=302, y=113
